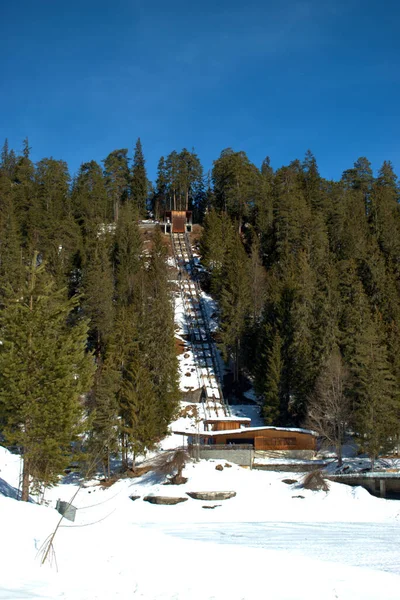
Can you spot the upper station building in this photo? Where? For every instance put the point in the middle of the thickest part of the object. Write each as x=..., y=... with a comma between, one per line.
x=177, y=221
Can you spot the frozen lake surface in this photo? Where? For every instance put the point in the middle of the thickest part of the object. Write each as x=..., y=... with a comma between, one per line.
x=373, y=545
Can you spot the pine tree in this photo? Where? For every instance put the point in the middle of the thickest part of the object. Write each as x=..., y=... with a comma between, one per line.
x=257, y=281
x=104, y=420
x=98, y=286
x=205, y=200
x=354, y=311
x=139, y=181
x=292, y=216
x=270, y=389
x=312, y=182
x=190, y=176
x=128, y=254
x=376, y=397
x=4, y=158
x=116, y=173
x=172, y=172
x=360, y=178
x=53, y=230
x=356, y=210
x=263, y=210
x=258, y=291
x=11, y=270
x=301, y=369
x=24, y=194
x=236, y=184
x=235, y=302
x=385, y=215
x=7, y=161
x=157, y=341
x=89, y=199
x=11, y=267
x=43, y=372
x=52, y=182
x=140, y=420
x=159, y=201
x=215, y=239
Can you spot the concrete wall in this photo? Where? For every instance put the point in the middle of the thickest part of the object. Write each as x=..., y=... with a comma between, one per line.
x=239, y=456
x=279, y=454
x=382, y=485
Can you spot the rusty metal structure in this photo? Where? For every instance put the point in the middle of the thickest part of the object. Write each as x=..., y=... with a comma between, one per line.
x=177, y=221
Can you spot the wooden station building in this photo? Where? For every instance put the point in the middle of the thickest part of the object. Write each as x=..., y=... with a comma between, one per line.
x=266, y=438
x=178, y=221
x=227, y=423
x=226, y=432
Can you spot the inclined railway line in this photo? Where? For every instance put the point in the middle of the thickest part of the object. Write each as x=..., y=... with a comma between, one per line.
x=203, y=346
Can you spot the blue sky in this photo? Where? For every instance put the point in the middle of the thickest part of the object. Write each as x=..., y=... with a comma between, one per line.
x=81, y=79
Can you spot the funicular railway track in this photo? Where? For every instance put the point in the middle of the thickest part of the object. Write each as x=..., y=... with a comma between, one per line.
x=203, y=345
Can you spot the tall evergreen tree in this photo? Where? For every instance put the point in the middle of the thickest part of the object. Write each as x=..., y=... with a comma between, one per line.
x=116, y=173
x=140, y=419
x=43, y=371
x=236, y=184
x=190, y=177
x=11, y=270
x=139, y=181
x=98, y=286
x=217, y=233
x=90, y=202
x=11, y=254
x=385, y=215
x=128, y=254
x=263, y=210
x=157, y=341
x=268, y=384
x=292, y=216
x=103, y=408
x=159, y=202
x=376, y=396
x=235, y=302
x=172, y=171
x=8, y=161
x=24, y=194
x=312, y=182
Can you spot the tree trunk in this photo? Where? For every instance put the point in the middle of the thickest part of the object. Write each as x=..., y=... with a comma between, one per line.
x=116, y=210
x=339, y=454
x=340, y=440
x=236, y=362
x=25, y=481
x=124, y=452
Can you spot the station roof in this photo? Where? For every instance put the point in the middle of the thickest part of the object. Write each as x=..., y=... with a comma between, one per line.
x=228, y=419
x=247, y=430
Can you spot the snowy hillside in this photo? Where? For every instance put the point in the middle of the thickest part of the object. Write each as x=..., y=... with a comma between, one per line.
x=273, y=538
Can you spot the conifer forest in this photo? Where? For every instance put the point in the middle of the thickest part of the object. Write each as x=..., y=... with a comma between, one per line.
x=305, y=272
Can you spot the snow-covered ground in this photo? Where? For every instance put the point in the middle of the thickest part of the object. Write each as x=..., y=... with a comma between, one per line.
x=273, y=539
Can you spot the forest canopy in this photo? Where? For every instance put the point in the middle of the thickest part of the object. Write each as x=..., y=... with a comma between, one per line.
x=306, y=272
